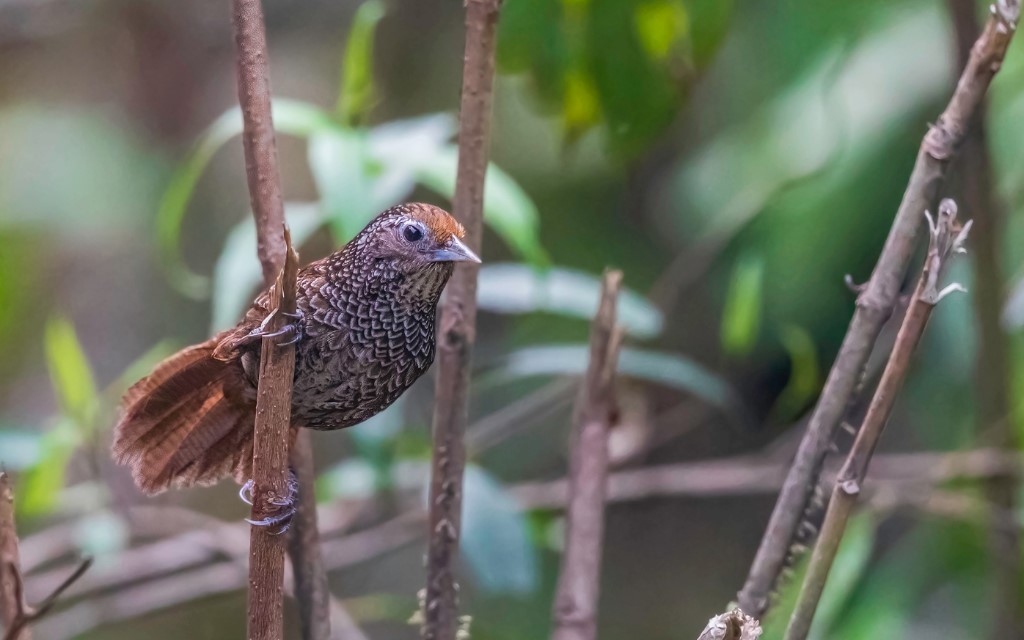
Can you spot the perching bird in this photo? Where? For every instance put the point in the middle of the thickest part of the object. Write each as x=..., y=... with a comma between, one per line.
x=363, y=333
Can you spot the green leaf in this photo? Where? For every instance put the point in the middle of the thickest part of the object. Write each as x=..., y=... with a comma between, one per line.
x=237, y=274
x=626, y=64
x=804, y=373
x=496, y=539
x=668, y=369
x=741, y=317
x=291, y=117
x=848, y=568
x=70, y=373
x=357, y=89
x=350, y=182
x=43, y=482
x=507, y=208
x=520, y=288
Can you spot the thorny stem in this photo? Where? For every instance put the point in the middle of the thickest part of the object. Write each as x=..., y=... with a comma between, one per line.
x=575, y=610
x=875, y=304
x=946, y=239
x=457, y=327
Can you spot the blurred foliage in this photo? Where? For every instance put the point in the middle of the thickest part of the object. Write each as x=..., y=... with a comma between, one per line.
x=624, y=64
x=764, y=147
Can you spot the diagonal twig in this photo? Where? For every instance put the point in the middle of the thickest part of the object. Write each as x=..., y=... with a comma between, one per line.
x=875, y=303
x=946, y=239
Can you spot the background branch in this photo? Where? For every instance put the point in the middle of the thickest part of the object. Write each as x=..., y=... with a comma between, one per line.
x=945, y=241
x=875, y=304
x=992, y=372
x=575, y=610
x=10, y=567
x=457, y=326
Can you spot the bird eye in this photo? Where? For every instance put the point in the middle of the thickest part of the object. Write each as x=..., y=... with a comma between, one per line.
x=412, y=232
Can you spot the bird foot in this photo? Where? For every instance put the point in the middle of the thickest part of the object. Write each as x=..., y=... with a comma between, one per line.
x=293, y=328
x=279, y=509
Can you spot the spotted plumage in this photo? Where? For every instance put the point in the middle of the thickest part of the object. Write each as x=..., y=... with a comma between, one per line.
x=364, y=334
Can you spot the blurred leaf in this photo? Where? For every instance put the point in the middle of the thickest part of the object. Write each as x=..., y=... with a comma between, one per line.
x=357, y=90
x=848, y=568
x=237, y=274
x=70, y=373
x=354, y=478
x=804, y=373
x=671, y=370
x=520, y=288
x=290, y=117
x=626, y=63
x=496, y=537
x=19, y=448
x=741, y=316
x=507, y=208
x=74, y=171
x=43, y=482
x=354, y=185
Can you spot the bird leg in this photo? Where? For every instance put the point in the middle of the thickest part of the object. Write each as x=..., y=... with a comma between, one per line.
x=294, y=328
x=280, y=508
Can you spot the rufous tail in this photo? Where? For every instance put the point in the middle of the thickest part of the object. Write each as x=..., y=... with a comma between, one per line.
x=186, y=424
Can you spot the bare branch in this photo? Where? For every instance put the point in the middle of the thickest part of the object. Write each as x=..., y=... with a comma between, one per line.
x=993, y=374
x=575, y=610
x=457, y=326
x=875, y=303
x=946, y=239
x=15, y=613
x=277, y=363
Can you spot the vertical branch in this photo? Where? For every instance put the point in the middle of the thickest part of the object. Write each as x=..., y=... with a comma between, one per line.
x=10, y=600
x=457, y=326
x=304, y=547
x=277, y=363
x=875, y=303
x=946, y=239
x=15, y=613
x=992, y=367
x=575, y=611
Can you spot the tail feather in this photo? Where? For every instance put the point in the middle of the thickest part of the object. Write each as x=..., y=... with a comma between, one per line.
x=185, y=423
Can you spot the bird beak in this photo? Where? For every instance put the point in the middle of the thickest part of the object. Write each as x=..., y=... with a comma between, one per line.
x=455, y=251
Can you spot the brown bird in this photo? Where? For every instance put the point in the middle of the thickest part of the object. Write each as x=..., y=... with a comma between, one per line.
x=363, y=333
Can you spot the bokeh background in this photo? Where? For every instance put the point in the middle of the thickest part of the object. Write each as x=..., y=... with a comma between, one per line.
x=735, y=159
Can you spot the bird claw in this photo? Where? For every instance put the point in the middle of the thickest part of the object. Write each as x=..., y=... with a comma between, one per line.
x=245, y=493
x=293, y=328
x=280, y=508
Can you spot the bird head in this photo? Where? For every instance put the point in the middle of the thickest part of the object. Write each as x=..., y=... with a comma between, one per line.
x=415, y=237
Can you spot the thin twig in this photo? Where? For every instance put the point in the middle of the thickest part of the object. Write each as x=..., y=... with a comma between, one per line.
x=277, y=363
x=15, y=613
x=18, y=628
x=575, y=610
x=993, y=373
x=946, y=239
x=316, y=614
x=457, y=327
x=10, y=601
x=875, y=303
